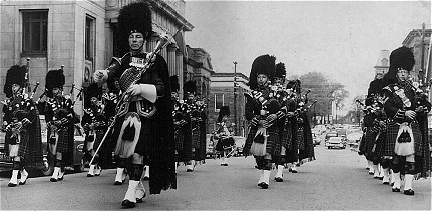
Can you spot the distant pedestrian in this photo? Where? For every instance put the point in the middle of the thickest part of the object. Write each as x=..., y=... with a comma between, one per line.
x=223, y=134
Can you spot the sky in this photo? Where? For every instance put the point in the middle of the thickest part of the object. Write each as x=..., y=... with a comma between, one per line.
x=341, y=39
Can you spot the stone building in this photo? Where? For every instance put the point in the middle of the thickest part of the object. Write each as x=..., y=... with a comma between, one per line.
x=414, y=41
x=79, y=35
x=420, y=45
x=383, y=63
x=222, y=91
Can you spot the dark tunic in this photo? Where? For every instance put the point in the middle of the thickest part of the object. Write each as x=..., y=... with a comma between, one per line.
x=181, y=124
x=18, y=109
x=157, y=147
x=252, y=113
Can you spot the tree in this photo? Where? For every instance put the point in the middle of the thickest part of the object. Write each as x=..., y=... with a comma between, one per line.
x=323, y=91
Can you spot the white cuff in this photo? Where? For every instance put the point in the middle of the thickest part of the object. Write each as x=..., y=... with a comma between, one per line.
x=148, y=91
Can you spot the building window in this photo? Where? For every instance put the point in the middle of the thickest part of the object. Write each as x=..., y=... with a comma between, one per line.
x=219, y=101
x=35, y=28
x=89, y=38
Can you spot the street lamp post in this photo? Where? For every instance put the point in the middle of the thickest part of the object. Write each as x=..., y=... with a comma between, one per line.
x=235, y=97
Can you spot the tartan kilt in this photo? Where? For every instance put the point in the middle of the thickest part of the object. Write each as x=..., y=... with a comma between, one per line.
x=196, y=135
x=178, y=140
x=369, y=140
x=23, y=144
x=63, y=140
x=23, y=149
x=286, y=139
x=380, y=143
x=273, y=146
x=391, y=134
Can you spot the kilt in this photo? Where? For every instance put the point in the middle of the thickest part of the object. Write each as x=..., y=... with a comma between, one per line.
x=196, y=135
x=178, y=140
x=23, y=150
x=224, y=143
x=369, y=140
x=286, y=139
x=63, y=140
x=390, y=139
x=99, y=136
x=273, y=146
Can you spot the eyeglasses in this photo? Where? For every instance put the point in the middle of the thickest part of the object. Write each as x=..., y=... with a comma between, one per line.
x=401, y=70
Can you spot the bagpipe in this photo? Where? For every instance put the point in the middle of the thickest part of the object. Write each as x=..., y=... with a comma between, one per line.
x=15, y=126
x=374, y=113
x=421, y=102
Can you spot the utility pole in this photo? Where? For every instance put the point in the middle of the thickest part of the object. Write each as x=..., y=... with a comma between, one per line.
x=235, y=98
x=422, y=69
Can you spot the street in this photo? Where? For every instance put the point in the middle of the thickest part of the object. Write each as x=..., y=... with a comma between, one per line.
x=337, y=180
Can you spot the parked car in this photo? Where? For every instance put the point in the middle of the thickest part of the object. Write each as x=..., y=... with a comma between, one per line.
x=316, y=139
x=335, y=142
x=239, y=143
x=329, y=135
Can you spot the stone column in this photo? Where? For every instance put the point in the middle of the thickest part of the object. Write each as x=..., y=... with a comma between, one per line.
x=171, y=60
x=179, y=70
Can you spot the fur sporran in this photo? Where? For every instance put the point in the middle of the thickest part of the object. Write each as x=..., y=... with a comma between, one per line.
x=404, y=140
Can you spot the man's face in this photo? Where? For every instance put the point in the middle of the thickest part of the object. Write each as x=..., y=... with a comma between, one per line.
x=191, y=97
x=93, y=100
x=262, y=79
x=174, y=96
x=403, y=74
x=136, y=41
x=379, y=75
x=16, y=88
x=56, y=91
x=278, y=81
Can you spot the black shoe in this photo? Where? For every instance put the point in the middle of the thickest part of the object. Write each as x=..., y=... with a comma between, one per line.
x=189, y=170
x=264, y=185
x=60, y=178
x=141, y=199
x=391, y=184
x=53, y=179
x=278, y=179
x=89, y=175
x=128, y=204
x=12, y=185
x=409, y=192
x=371, y=173
x=261, y=184
x=396, y=189
x=146, y=178
x=224, y=164
x=23, y=183
x=294, y=171
x=386, y=183
x=381, y=178
x=118, y=183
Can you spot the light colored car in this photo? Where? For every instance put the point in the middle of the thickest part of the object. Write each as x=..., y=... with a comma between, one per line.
x=354, y=137
x=335, y=142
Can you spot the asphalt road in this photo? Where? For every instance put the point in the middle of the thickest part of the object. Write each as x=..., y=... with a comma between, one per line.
x=337, y=180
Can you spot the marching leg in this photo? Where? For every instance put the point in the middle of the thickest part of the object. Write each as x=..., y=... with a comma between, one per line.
x=279, y=173
x=409, y=176
x=147, y=172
